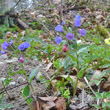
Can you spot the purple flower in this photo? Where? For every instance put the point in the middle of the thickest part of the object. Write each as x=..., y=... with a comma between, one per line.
x=69, y=36
x=21, y=47
x=21, y=59
x=77, y=23
x=2, y=52
x=26, y=45
x=63, y=23
x=77, y=17
x=58, y=40
x=82, y=32
x=59, y=28
x=5, y=45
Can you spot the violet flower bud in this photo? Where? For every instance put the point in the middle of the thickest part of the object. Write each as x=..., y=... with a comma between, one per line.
x=21, y=59
x=65, y=48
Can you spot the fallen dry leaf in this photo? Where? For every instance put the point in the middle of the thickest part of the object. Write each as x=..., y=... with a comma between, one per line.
x=48, y=99
x=60, y=103
x=50, y=103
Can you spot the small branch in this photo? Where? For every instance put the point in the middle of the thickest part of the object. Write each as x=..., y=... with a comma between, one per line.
x=13, y=87
x=89, y=85
x=16, y=4
x=61, y=12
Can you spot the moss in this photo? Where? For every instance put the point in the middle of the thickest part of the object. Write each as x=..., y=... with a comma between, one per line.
x=102, y=31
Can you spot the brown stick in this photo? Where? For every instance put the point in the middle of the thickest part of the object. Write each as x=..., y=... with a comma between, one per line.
x=25, y=26
x=13, y=87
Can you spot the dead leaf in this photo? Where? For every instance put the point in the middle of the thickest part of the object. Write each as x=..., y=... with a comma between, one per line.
x=99, y=17
x=48, y=99
x=97, y=73
x=49, y=66
x=33, y=105
x=52, y=103
x=56, y=1
x=106, y=86
x=60, y=103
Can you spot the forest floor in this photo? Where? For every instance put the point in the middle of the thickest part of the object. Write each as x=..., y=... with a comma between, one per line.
x=13, y=94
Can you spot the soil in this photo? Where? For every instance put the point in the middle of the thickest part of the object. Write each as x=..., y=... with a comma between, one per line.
x=14, y=94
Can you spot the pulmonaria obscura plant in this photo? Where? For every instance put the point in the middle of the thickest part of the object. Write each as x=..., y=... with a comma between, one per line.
x=68, y=38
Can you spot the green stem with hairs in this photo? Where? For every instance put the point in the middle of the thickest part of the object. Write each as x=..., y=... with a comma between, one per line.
x=77, y=78
x=28, y=79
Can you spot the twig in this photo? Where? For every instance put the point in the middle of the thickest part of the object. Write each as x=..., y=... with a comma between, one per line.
x=61, y=12
x=89, y=85
x=16, y=4
x=13, y=87
x=98, y=101
x=35, y=98
x=74, y=3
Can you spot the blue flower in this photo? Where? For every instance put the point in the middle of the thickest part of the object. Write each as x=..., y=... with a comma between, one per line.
x=2, y=52
x=26, y=45
x=5, y=45
x=63, y=23
x=70, y=36
x=59, y=28
x=58, y=40
x=77, y=17
x=82, y=32
x=77, y=23
x=23, y=46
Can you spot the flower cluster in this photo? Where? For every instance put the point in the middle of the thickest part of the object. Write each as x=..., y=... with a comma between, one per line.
x=69, y=35
x=23, y=46
x=5, y=46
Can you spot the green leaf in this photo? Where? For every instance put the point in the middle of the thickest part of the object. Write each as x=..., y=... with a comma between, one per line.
x=96, y=106
x=18, y=72
x=107, y=95
x=81, y=72
x=69, y=30
x=99, y=96
x=26, y=91
x=107, y=104
x=72, y=57
x=33, y=74
x=1, y=41
x=29, y=100
x=74, y=45
x=7, y=106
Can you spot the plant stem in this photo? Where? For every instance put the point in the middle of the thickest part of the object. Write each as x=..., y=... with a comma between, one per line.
x=75, y=88
x=27, y=79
